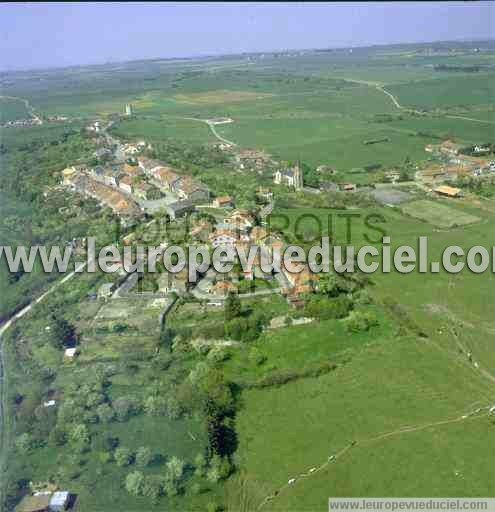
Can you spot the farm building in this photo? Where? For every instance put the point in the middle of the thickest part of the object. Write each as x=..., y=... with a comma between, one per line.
x=223, y=238
x=125, y=184
x=70, y=352
x=348, y=187
x=223, y=288
x=445, y=190
x=264, y=193
x=223, y=202
x=45, y=502
x=179, y=209
x=106, y=290
x=59, y=501
x=450, y=148
x=39, y=503
x=187, y=188
x=166, y=177
x=148, y=165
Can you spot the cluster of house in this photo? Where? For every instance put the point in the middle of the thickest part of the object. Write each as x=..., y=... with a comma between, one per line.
x=253, y=159
x=134, y=149
x=45, y=501
x=457, y=164
x=238, y=230
x=18, y=123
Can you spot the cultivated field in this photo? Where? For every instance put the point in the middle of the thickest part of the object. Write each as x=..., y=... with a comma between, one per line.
x=12, y=110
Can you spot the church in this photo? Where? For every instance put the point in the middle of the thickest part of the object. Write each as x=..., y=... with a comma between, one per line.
x=290, y=176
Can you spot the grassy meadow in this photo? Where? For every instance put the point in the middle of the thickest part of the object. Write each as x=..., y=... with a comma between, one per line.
x=384, y=382
x=12, y=110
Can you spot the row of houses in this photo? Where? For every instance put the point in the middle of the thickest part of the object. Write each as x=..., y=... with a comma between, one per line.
x=85, y=184
x=168, y=179
x=129, y=178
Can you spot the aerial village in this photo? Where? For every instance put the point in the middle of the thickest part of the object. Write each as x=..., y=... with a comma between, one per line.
x=136, y=188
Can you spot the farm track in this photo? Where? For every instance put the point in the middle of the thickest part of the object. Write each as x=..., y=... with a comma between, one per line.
x=3, y=377
x=29, y=107
x=212, y=128
x=332, y=459
x=413, y=111
x=396, y=103
x=456, y=356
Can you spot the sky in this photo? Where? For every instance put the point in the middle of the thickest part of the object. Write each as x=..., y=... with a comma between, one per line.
x=39, y=35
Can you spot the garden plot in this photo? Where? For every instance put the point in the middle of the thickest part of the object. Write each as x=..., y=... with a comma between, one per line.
x=390, y=196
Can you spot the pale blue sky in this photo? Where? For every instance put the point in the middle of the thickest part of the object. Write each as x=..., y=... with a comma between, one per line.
x=48, y=34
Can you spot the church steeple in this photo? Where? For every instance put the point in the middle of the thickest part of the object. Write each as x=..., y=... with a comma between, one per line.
x=298, y=176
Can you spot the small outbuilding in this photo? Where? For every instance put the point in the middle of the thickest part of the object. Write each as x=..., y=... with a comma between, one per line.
x=223, y=202
x=70, y=352
x=38, y=503
x=59, y=501
x=446, y=191
x=179, y=208
x=105, y=290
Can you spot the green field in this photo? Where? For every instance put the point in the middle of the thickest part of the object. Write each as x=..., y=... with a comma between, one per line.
x=12, y=110
x=447, y=92
x=449, y=128
x=387, y=383
x=159, y=129
x=438, y=214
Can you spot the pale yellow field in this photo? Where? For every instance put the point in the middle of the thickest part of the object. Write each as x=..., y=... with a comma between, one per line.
x=219, y=96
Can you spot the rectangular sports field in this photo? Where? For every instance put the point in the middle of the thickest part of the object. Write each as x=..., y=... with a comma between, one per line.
x=438, y=214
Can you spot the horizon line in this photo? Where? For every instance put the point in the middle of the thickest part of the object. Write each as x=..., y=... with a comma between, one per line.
x=257, y=52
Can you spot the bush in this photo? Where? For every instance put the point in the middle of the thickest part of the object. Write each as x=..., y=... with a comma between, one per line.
x=256, y=357
x=24, y=443
x=153, y=487
x=134, y=483
x=143, y=456
x=220, y=469
x=123, y=457
x=212, y=331
x=245, y=329
x=174, y=408
x=125, y=408
x=359, y=321
x=200, y=465
x=105, y=413
x=327, y=308
x=155, y=406
x=218, y=354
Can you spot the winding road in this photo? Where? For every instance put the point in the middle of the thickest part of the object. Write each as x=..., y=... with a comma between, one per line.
x=212, y=128
x=29, y=107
